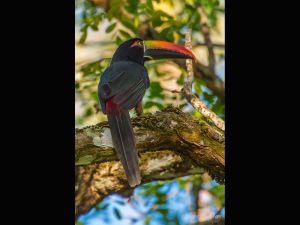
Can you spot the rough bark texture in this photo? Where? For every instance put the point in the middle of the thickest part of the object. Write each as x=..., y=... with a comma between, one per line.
x=171, y=144
x=188, y=86
x=219, y=221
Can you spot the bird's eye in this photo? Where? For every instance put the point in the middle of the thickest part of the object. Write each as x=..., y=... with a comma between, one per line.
x=140, y=43
x=137, y=44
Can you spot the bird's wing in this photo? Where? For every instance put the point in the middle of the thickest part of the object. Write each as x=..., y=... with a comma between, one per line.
x=125, y=82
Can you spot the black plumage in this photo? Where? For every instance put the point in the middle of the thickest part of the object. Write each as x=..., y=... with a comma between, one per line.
x=122, y=86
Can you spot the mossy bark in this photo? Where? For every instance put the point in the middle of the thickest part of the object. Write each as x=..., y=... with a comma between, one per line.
x=170, y=143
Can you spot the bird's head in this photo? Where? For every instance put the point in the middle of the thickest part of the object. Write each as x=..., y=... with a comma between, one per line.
x=139, y=50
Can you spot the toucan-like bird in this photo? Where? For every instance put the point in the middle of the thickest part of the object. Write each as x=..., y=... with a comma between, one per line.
x=122, y=87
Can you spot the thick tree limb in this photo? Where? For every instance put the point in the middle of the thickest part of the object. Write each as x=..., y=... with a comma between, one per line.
x=171, y=144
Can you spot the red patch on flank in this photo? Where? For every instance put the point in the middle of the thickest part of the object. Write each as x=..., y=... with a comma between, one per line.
x=112, y=108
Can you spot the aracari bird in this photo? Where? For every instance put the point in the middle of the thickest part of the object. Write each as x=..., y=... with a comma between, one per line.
x=122, y=87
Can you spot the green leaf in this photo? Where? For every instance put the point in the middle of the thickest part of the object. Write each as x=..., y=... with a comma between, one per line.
x=142, y=7
x=218, y=192
x=163, y=211
x=180, y=81
x=155, y=87
x=128, y=24
x=118, y=40
x=83, y=36
x=150, y=104
x=164, y=14
x=197, y=114
x=219, y=108
x=94, y=27
x=209, y=97
x=165, y=32
x=156, y=90
x=110, y=28
x=88, y=112
x=132, y=6
x=120, y=202
x=156, y=21
x=181, y=106
x=115, y=10
x=94, y=95
x=102, y=206
x=125, y=34
x=147, y=220
x=117, y=213
x=197, y=86
x=79, y=223
x=149, y=4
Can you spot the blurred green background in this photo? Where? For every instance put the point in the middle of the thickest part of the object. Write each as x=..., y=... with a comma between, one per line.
x=100, y=26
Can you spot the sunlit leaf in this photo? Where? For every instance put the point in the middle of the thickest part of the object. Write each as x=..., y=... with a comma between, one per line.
x=128, y=24
x=147, y=220
x=118, y=40
x=83, y=36
x=125, y=34
x=79, y=223
x=156, y=90
x=132, y=6
x=110, y=28
x=149, y=4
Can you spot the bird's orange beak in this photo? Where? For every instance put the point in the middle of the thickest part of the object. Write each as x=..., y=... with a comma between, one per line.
x=154, y=49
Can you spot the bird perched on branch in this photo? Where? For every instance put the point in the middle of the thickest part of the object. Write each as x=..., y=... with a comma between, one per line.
x=122, y=87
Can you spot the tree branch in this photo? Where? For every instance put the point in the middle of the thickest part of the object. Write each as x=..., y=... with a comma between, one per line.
x=214, y=45
x=212, y=81
x=189, y=63
x=202, y=72
x=206, y=33
x=171, y=144
x=188, y=94
x=220, y=221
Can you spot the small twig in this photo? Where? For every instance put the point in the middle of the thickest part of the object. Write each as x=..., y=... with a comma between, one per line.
x=214, y=45
x=189, y=64
x=206, y=33
x=173, y=91
x=218, y=213
x=188, y=94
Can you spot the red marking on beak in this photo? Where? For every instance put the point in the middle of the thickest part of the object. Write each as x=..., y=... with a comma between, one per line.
x=136, y=43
